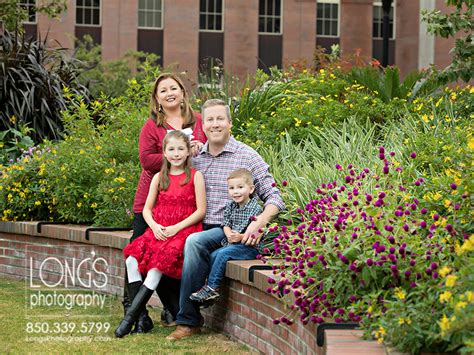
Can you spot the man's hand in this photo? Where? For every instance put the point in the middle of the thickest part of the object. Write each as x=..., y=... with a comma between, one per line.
x=253, y=233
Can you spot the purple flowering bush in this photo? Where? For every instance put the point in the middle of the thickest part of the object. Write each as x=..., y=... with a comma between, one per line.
x=366, y=249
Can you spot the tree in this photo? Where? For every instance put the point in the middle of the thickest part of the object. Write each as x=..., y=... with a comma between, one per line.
x=12, y=14
x=448, y=25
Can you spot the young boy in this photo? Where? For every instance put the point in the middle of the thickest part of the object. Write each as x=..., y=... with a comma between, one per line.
x=237, y=216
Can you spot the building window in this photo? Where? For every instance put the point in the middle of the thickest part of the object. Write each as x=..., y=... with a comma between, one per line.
x=377, y=26
x=269, y=16
x=30, y=7
x=88, y=12
x=327, y=18
x=150, y=14
x=210, y=15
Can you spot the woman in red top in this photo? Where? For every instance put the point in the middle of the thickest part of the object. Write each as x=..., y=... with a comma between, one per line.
x=170, y=110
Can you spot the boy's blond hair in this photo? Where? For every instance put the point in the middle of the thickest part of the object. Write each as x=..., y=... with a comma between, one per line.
x=241, y=173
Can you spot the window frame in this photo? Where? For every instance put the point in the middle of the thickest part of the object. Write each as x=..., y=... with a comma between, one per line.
x=212, y=13
x=92, y=8
x=271, y=16
x=28, y=22
x=338, y=3
x=148, y=27
x=394, y=22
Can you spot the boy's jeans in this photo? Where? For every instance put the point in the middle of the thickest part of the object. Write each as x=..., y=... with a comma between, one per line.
x=219, y=258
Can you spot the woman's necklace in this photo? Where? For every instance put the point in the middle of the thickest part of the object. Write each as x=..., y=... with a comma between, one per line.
x=175, y=122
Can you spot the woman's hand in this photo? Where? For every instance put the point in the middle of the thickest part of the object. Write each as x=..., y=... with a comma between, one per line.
x=158, y=231
x=196, y=147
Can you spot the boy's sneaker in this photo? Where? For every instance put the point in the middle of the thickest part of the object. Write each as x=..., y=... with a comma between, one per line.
x=205, y=295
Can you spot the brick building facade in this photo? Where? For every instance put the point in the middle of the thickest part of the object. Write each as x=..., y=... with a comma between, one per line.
x=245, y=35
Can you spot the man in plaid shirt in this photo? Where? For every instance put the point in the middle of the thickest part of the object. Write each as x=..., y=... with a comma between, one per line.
x=220, y=155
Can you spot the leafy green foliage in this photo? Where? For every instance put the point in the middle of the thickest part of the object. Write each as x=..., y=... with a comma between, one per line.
x=13, y=142
x=110, y=78
x=91, y=175
x=12, y=14
x=385, y=83
x=448, y=25
x=33, y=78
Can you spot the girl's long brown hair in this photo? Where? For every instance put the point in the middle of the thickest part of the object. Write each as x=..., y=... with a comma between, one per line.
x=186, y=111
x=164, y=180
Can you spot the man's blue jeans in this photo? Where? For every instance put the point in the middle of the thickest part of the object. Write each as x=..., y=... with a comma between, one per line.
x=196, y=267
x=220, y=257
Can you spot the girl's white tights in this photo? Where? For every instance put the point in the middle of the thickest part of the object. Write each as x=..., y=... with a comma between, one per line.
x=152, y=278
x=132, y=270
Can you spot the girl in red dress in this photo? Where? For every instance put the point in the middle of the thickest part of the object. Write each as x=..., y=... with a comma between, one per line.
x=174, y=208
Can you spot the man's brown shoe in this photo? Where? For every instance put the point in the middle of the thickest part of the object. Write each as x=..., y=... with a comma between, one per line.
x=183, y=331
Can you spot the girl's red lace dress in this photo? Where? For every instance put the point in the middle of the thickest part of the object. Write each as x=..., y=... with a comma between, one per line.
x=172, y=206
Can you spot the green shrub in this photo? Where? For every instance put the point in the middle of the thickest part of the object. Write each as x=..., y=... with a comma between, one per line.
x=90, y=176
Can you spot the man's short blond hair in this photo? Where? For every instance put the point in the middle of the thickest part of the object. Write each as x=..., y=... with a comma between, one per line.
x=216, y=102
x=241, y=174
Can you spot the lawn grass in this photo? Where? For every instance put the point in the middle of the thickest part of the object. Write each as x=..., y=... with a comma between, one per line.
x=15, y=314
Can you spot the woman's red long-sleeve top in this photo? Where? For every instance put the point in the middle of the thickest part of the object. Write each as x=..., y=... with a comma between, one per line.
x=151, y=155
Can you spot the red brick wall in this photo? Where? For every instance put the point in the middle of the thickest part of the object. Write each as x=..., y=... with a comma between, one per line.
x=240, y=37
x=299, y=34
x=119, y=28
x=442, y=56
x=21, y=255
x=356, y=27
x=181, y=36
x=246, y=312
x=407, y=35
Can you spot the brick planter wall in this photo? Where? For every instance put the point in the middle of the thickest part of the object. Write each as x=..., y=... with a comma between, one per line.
x=245, y=313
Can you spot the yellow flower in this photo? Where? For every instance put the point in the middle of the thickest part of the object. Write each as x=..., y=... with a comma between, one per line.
x=437, y=196
x=451, y=281
x=444, y=271
x=467, y=246
x=460, y=305
x=98, y=147
x=447, y=203
x=81, y=151
x=445, y=296
x=79, y=204
x=37, y=203
x=404, y=321
x=470, y=143
x=94, y=205
x=470, y=296
x=444, y=324
x=400, y=294
x=370, y=309
x=120, y=180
